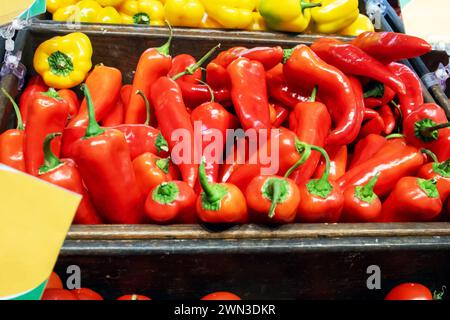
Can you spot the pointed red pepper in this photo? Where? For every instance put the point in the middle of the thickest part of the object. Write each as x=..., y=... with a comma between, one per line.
x=72, y=100
x=11, y=141
x=412, y=200
x=48, y=113
x=64, y=173
x=35, y=85
x=338, y=162
x=439, y=171
x=379, y=95
x=104, y=161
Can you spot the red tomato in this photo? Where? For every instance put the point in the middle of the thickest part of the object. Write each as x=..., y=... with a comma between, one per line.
x=86, y=294
x=54, y=282
x=133, y=297
x=222, y=295
x=58, y=294
x=409, y=291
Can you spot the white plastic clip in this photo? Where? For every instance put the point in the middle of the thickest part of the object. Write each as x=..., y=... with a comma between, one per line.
x=376, y=9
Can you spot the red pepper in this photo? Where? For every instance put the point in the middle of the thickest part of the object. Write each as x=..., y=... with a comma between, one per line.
x=72, y=100
x=194, y=93
x=281, y=115
x=268, y=56
x=334, y=89
x=220, y=202
x=379, y=95
x=338, y=162
x=354, y=61
x=249, y=93
x=64, y=173
x=322, y=199
x=171, y=202
x=115, y=116
x=35, y=85
x=388, y=119
x=374, y=124
x=393, y=161
x=212, y=116
x=412, y=200
x=428, y=127
x=104, y=161
x=48, y=113
x=311, y=123
x=141, y=138
x=389, y=46
x=280, y=90
x=440, y=171
x=152, y=170
x=366, y=148
x=105, y=83
x=11, y=141
x=153, y=64
x=172, y=115
x=361, y=204
x=414, y=96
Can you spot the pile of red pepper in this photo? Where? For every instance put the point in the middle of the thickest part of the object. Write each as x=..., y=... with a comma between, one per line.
x=356, y=141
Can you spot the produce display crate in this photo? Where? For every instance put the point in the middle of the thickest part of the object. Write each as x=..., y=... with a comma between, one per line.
x=298, y=261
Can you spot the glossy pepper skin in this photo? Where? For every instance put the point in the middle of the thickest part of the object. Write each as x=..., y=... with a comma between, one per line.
x=63, y=62
x=360, y=25
x=102, y=156
x=388, y=47
x=88, y=11
x=366, y=148
x=35, y=84
x=354, y=61
x=393, y=161
x=172, y=115
x=322, y=199
x=379, y=95
x=249, y=93
x=153, y=64
x=194, y=92
x=311, y=123
x=48, y=113
x=412, y=200
x=220, y=202
x=171, y=202
x=104, y=83
x=184, y=13
x=72, y=100
x=11, y=141
x=335, y=90
x=64, y=173
x=334, y=15
x=361, y=204
x=273, y=199
x=420, y=129
x=231, y=14
x=338, y=162
x=440, y=171
x=53, y=5
x=152, y=170
x=287, y=15
x=373, y=124
x=144, y=12
x=414, y=96
x=279, y=89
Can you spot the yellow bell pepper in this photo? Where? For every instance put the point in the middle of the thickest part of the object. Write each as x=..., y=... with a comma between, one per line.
x=210, y=23
x=361, y=25
x=232, y=14
x=63, y=62
x=184, y=13
x=110, y=3
x=258, y=24
x=334, y=15
x=287, y=15
x=83, y=11
x=108, y=15
x=53, y=5
x=147, y=12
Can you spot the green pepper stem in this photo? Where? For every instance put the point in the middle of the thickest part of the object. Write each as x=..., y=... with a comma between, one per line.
x=20, y=125
x=308, y=5
x=326, y=173
x=198, y=64
x=287, y=53
x=52, y=93
x=395, y=136
x=376, y=92
x=51, y=161
x=93, y=128
x=431, y=154
x=276, y=193
x=313, y=94
x=305, y=149
x=427, y=132
x=211, y=92
x=165, y=48
x=211, y=194
x=367, y=189
x=147, y=106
